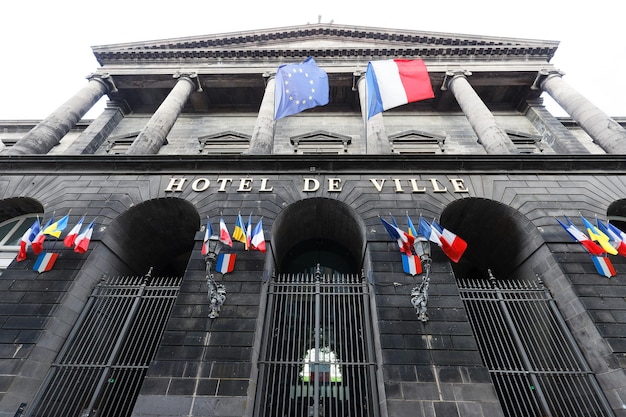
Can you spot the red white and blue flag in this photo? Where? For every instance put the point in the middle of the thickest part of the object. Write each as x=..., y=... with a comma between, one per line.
x=257, y=240
x=404, y=239
x=45, y=262
x=82, y=241
x=26, y=240
x=225, y=263
x=249, y=232
x=604, y=266
x=37, y=242
x=224, y=234
x=411, y=264
x=207, y=235
x=591, y=247
x=392, y=83
x=452, y=245
x=73, y=234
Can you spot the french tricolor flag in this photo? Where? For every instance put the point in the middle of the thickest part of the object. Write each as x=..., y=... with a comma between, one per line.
x=225, y=263
x=604, y=266
x=45, y=262
x=392, y=83
x=411, y=264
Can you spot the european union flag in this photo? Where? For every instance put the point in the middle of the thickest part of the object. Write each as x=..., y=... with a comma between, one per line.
x=299, y=87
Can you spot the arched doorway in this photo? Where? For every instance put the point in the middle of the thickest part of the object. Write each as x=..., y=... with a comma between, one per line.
x=143, y=255
x=317, y=355
x=535, y=364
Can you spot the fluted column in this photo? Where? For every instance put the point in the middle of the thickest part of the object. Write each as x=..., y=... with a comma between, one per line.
x=493, y=138
x=262, y=140
x=376, y=139
x=154, y=134
x=47, y=134
x=604, y=130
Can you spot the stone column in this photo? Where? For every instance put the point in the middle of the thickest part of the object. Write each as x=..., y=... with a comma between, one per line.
x=493, y=138
x=51, y=130
x=154, y=134
x=262, y=140
x=376, y=139
x=99, y=130
x=604, y=130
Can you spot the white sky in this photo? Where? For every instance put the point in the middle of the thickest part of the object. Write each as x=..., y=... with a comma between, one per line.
x=46, y=45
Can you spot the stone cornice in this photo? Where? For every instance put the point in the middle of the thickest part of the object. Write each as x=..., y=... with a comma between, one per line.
x=296, y=164
x=300, y=42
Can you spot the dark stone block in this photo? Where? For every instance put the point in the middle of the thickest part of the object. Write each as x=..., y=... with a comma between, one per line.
x=166, y=368
x=230, y=370
x=233, y=387
x=451, y=374
x=446, y=409
x=425, y=374
x=182, y=386
x=399, y=373
x=207, y=387
x=154, y=386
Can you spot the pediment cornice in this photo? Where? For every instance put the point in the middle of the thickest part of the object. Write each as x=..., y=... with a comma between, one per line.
x=324, y=41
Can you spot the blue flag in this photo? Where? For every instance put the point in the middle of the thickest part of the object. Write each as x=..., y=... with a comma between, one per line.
x=299, y=87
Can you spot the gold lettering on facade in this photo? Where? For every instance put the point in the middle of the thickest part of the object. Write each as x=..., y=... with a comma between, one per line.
x=458, y=185
x=264, y=187
x=399, y=189
x=310, y=185
x=437, y=187
x=200, y=184
x=378, y=185
x=223, y=182
x=334, y=185
x=415, y=188
x=176, y=184
x=245, y=184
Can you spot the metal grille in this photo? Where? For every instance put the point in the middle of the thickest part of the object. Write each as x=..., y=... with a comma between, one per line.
x=534, y=362
x=101, y=367
x=317, y=357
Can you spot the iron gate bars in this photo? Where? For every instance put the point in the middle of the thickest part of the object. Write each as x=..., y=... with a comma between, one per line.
x=535, y=364
x=317, y=355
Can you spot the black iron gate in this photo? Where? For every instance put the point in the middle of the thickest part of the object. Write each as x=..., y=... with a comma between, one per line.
x=101, y=366
x=533, y=359
x=317, y=357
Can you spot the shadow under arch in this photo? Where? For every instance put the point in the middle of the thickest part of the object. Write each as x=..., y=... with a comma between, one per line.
x=318, y=230
x=18, y=206
x=616, y=213
x=156, y=233
x=498, y=237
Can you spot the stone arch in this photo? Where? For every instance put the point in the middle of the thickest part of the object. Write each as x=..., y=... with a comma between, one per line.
x=18, y=206
x=156, y=233
x=616, y=213
x=323, y=224
x=499, y=238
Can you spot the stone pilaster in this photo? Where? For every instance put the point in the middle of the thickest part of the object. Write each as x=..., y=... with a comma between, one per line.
x=154, y=134
x=377, y=141
x=262, y=140
x=490, y=134
x=605, y=131
x=49, y=131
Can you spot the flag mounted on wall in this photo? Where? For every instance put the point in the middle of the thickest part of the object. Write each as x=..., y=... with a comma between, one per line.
x=225, y=263
x=411, y=264
x=299, y=87
x=45, y=262
x=392, y=83
x=604, y=266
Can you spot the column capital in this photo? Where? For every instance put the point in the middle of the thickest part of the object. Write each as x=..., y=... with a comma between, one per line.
x=105, y=79
x=545, y=74
x=453, y=74
x=191, y=76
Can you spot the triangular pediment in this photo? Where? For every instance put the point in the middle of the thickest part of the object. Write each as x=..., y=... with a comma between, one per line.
x=322, y=41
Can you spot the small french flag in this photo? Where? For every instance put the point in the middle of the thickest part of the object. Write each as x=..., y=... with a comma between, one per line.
x=45, y=262
x=411, y=264
x=225, y=262
x=604, y=266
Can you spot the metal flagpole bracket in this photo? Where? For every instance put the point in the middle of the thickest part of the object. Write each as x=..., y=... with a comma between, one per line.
x=216, y=291
x=419, y=293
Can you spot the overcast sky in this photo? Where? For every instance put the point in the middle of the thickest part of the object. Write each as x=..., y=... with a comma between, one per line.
x=46, y=45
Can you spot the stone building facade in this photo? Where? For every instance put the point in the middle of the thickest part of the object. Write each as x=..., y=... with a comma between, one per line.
x=323, y=323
